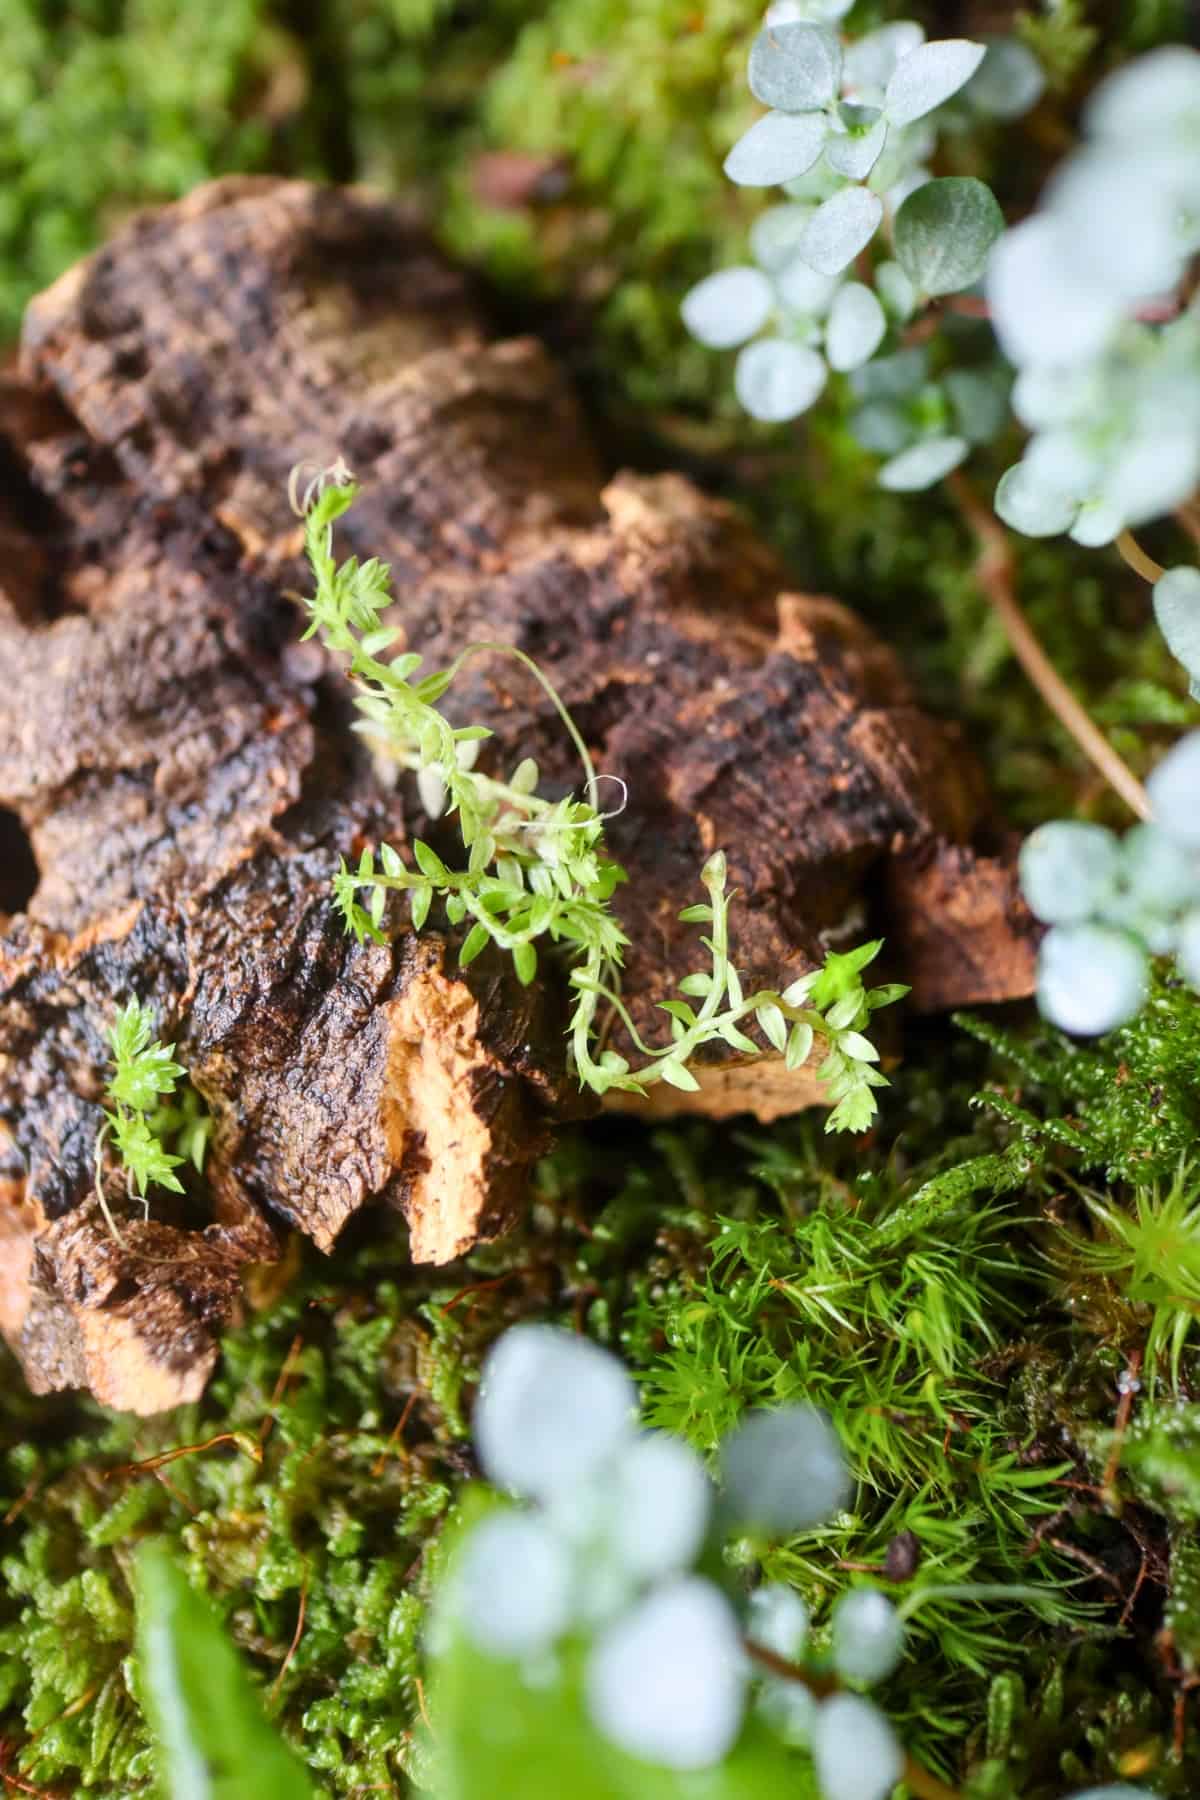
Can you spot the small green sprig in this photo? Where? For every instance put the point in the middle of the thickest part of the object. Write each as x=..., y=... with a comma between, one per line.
x=538, y=870
x=147, y=1112
x=143, y=1071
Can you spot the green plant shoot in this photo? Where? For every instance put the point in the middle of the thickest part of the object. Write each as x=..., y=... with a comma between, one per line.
x=537, y=870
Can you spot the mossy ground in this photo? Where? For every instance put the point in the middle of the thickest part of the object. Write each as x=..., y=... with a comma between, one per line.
x=954, y=1291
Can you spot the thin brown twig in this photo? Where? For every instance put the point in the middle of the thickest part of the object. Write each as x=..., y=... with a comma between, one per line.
x=397, y=1432
x=153, y=1463
x=284, y=1376
x=22, y=1501
x=921, y=1780
x=1128, y=1389
x=994, y=572
x=1135, y=558
x=286, y=1664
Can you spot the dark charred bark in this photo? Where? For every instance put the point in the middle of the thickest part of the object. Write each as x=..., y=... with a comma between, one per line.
x=183, y=774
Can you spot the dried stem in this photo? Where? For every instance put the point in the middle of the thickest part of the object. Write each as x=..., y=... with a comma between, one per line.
x=1135, y=558
x=994, y=572
x=925, y=1785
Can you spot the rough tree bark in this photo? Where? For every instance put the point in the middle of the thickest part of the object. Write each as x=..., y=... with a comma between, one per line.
x=183, y=771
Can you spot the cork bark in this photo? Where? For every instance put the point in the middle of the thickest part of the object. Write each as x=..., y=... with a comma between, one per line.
x=183, y=774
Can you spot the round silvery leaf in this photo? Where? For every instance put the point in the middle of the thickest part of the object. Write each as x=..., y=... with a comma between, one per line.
x=896, y=291
x=1045, y=397
x=1063, y=461
x=1008, y=81
x=855, y=1750
x=511, y=1589
x=789, y=1709
x=868, y=1637
x=1157, y=95
x=1160, y=874
x=1069, y=870
x=929, y=75
x=1042, y=310
x=804, y=291
x=979, y=398
x=897, y=192
x=552, y=1408
x=869, y=61
x=1031, y=508
x=1174, y=790
x=882, y=427
x=776, y=380
x=794, y=12
x=856, y=327
x=900, y=376
x=727, y=308
x=775, y=235
x=1187, y=947
x=777, y=1618
x=1122, y=1791
x=796, y=68
x=1099, y=520
x=1117, y=222
x=1090, y=978
x=776, y=149
x=1177, y=609
x=923, y=464
x=855, y=152
x=784, y=1471
x=841, y=227
x=1156, y=471
x=945, y=231
x=660, y=1505
x=667, y=1682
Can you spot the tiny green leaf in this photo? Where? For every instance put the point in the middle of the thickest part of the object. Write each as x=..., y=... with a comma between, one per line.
x=477, y=939
x=678, y=1076
x=429, y=862
x=774, y=1026
x=525, y=963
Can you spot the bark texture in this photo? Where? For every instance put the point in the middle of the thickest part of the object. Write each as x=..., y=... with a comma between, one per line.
x=183, y=773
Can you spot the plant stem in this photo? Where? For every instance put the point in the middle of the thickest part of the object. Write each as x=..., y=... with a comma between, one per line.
x=994, y=572
x=925, y=1785
x=1135, y=558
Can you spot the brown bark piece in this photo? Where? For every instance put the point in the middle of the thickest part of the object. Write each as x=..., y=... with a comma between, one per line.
x=185, y=774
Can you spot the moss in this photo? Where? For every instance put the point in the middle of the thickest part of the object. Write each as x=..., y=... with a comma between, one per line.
x=939, y=1287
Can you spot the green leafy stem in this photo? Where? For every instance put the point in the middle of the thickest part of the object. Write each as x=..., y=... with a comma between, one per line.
x=538, y=870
